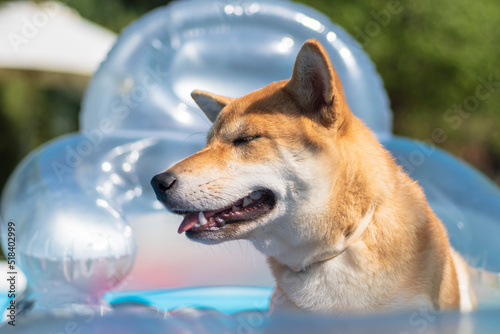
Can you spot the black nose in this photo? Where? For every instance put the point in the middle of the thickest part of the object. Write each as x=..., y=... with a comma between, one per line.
x=162, y=183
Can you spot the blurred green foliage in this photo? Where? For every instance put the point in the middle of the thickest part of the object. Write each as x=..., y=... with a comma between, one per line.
x=431, y=56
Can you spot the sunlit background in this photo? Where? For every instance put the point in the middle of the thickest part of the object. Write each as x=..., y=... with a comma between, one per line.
x=438, y=60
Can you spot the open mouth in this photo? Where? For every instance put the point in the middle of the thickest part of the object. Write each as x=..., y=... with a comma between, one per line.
x=249, y=208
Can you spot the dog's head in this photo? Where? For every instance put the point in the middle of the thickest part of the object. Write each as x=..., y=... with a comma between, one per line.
x=276, y=167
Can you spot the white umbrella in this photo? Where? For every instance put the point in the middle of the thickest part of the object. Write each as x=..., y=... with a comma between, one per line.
x=50, y=37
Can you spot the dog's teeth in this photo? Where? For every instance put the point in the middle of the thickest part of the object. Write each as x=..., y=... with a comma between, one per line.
x=247, y=201
x=256, y=195
x=197, y=225
x=202, y=218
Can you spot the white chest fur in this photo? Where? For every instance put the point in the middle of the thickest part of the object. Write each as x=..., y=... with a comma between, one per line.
x=342, y=285
x=333, y=285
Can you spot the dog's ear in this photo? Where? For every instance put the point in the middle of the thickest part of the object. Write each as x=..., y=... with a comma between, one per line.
x=315, y=86
x=211, y=104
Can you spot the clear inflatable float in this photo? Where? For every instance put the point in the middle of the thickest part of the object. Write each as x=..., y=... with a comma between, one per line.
x=85, y=216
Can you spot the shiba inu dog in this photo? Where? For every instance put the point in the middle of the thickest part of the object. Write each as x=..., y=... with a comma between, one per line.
x=290, y=168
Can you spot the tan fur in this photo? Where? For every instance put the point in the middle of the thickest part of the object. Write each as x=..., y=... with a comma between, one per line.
x=331, y=174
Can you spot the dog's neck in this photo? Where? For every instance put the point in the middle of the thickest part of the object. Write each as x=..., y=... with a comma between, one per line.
x=341, y=248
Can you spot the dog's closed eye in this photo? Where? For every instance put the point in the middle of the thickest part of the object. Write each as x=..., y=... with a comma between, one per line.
x=244, y=140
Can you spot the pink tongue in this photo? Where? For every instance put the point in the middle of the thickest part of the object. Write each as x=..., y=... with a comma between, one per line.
x=193, y=218
x=188, y=222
